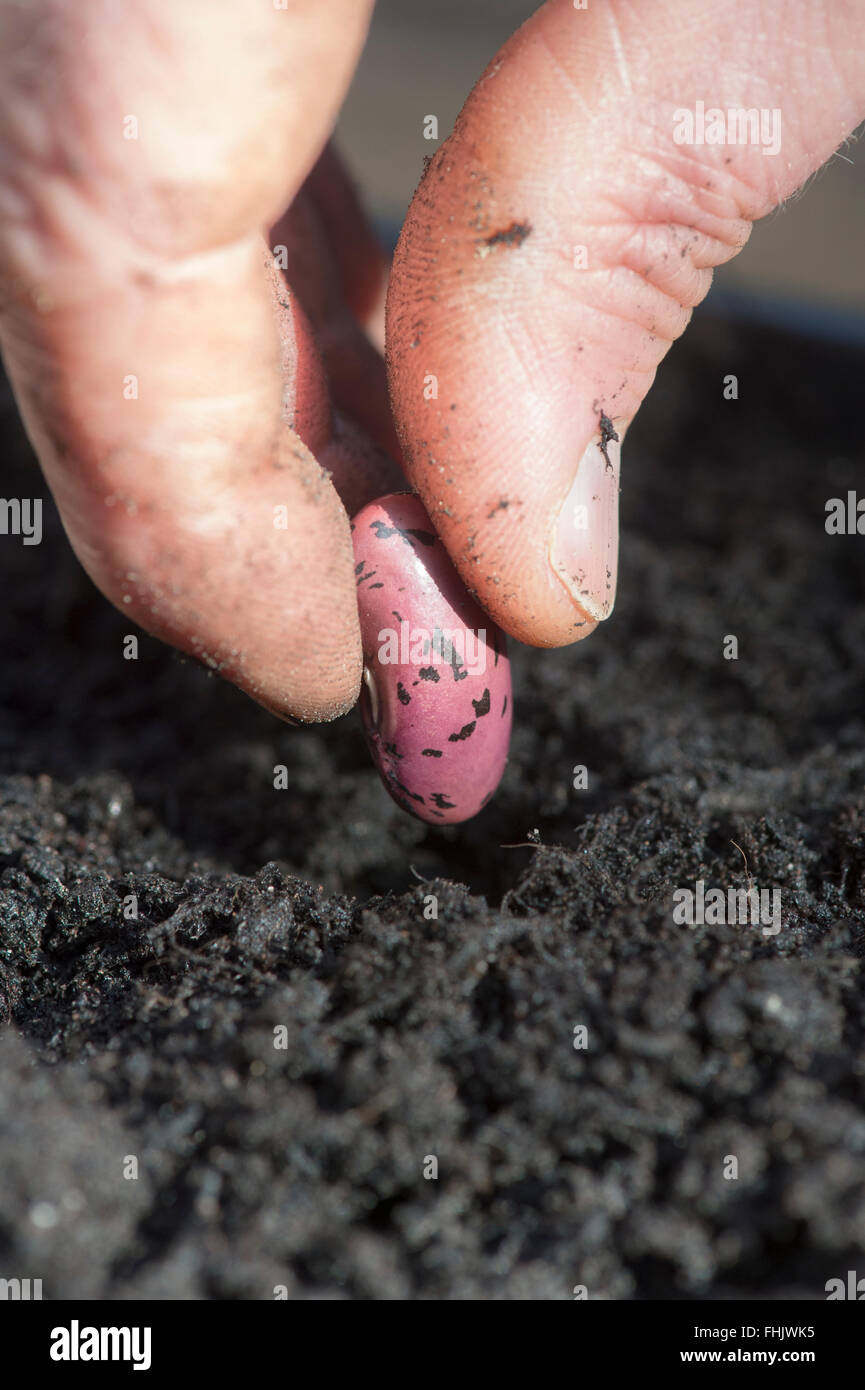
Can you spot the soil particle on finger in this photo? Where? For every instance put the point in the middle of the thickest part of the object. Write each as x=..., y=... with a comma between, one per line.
x=608, y=435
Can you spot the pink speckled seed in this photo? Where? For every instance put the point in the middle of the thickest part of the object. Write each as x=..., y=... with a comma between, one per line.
x=436, y=701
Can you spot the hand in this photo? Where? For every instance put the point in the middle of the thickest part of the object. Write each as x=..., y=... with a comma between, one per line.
x=184, y=397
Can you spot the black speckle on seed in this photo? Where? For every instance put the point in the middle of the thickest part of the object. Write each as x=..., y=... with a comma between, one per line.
x=359, y=567
x=384, y=532
x=392, y=749
x=396, y=615
x=429, y=673
x=414, y=795
x=482, y=706
x=465, y=732
x=402, y=694
x=377, y=586
x=431, y=753
x=440, y=799
x=505, y=707
x=449, y=654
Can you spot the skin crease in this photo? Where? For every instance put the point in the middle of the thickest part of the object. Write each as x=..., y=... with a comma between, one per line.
x=147, y=258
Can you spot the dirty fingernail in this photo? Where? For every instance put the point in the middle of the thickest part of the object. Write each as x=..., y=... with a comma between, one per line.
x=585, y=545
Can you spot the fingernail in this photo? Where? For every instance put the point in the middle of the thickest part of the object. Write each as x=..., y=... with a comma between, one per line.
x=585, y=546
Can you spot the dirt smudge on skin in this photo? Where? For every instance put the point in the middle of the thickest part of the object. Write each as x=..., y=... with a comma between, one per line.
x=513, y=235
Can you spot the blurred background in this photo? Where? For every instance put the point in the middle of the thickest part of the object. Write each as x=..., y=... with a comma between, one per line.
x=423, y=58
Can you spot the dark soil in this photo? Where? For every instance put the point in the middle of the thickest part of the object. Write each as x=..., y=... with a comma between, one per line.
x=303, y=910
